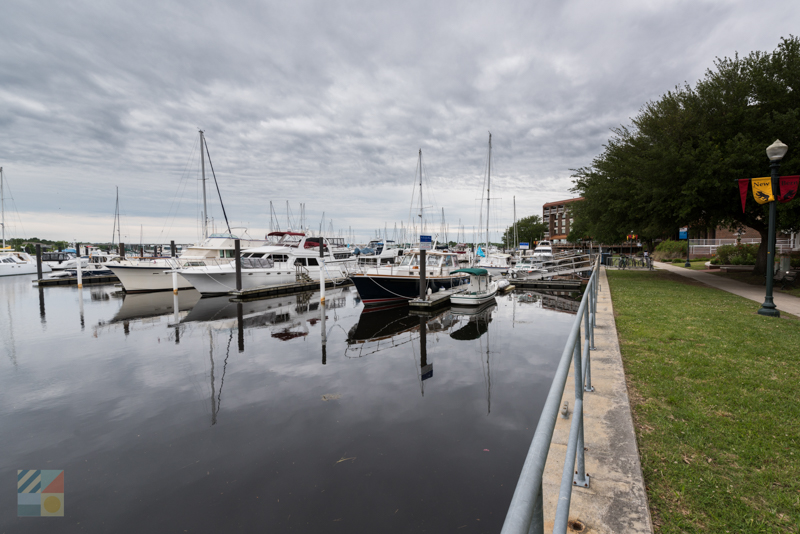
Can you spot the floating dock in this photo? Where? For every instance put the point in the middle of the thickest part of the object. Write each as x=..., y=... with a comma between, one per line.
x=547, y=284
x=296, y=287
x=73, y=280
x=439, y=298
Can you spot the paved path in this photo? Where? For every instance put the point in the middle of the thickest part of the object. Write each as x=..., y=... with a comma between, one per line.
x=785, y=303
x=616, y=501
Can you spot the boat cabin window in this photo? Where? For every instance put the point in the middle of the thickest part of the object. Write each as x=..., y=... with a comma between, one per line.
x=343, y=256
x=280, y=258
x=447, y=261
x=226, y=253
x=253, y=255
x=194, y=264
x=410, y=261
x=312, y=262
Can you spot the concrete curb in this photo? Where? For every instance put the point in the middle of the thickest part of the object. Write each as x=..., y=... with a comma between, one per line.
x=616, y=501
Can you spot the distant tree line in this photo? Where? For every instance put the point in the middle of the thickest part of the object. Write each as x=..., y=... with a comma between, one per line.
x=529, y=229
x=676, y=164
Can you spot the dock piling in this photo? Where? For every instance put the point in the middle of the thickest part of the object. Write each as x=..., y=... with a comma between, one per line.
x=174, y=273
x=237, y=260
x=423, y=283
x=38, y=261
x=80, y=272
x=321, y=271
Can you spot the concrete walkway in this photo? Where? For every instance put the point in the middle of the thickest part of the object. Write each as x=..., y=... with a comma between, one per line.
x=616, y=501
x=785, y=303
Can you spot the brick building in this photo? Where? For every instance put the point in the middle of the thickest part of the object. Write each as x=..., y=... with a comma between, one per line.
x=557, y=217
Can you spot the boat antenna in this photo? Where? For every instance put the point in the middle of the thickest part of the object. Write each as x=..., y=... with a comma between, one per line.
x=215, y=183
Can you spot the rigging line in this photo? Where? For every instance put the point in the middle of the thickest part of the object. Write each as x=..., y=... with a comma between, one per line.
x=178, y=192
x=14, y=202
x=216, y=184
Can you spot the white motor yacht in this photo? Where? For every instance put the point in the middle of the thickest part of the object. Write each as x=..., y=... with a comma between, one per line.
x=294, y=257
x=155, y=274
x=13, y=263
x=382, y=253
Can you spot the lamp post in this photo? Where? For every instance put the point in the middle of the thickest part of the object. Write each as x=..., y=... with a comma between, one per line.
x=775, y=153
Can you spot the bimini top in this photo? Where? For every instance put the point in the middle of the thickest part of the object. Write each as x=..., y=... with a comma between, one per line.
x=286, y=233
x=473, y=271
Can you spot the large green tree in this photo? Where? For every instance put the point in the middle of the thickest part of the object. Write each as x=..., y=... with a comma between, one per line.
x=529, y=229
x=677, y=163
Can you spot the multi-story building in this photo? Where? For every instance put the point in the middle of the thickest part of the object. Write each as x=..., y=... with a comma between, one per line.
x=557, y=217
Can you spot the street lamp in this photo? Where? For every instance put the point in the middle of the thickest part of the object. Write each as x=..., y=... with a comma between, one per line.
x=775, y=153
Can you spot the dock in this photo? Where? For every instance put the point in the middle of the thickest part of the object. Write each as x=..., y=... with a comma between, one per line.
x=434, y=300
x=297, y=287
x=547, y=284
x=73, y=281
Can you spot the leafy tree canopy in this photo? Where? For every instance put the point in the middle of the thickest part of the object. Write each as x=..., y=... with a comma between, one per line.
x=677, y=163
x=529, y=229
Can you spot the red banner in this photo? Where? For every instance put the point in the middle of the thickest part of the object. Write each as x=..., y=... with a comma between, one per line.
x=744, y=184
x=788, y=187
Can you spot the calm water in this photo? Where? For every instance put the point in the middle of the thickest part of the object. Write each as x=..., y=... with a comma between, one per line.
x=388, y=423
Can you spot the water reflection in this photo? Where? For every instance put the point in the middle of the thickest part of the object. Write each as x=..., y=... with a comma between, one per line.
x=561, y=301
x=403, y=396
x=144, y=305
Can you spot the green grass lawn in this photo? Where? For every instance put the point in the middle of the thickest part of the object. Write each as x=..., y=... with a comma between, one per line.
x=696, y=265
x=714, y=390
x=758, y=280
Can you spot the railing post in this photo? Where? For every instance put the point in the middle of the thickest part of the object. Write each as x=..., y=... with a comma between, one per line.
x=580, y=478
x=537, y=521
x=588, y=346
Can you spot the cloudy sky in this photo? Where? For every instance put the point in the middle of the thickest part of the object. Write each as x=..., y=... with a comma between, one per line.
x=328, y=102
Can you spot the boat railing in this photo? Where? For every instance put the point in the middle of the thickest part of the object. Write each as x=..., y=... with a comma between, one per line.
x=525, y=513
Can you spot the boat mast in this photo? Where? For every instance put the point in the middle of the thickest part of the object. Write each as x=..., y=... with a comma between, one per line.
x=2, y=207
x=488, y=187
x=421, y=220
x=205, y=205
x=515, y=221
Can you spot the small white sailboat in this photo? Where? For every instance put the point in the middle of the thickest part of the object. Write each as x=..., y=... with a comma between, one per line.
x=481, y=288
x=495, y=262
x=11, y=261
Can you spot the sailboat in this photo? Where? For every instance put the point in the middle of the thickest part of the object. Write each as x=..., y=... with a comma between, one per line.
x=154, y=274
x=397, y=283
x=13, y=262
x=494, y=262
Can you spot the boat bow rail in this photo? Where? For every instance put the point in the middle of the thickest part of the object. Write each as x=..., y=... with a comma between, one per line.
x=525, y=513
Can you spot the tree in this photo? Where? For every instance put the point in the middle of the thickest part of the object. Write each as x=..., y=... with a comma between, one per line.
x=676, y=165
x=528, y=229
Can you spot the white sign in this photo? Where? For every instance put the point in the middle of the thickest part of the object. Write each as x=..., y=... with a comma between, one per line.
x=425, y=242
x=524, y=246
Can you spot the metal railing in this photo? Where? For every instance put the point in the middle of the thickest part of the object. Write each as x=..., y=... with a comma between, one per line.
x=525, y=513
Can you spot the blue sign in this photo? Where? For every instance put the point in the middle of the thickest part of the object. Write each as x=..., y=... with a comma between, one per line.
x=425, y=242
x=683, y=233
x=524, y=246
x=427, y=371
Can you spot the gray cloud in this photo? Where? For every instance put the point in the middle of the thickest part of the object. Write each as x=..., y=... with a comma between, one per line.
x=327, y=102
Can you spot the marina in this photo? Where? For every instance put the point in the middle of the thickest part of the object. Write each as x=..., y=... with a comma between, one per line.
x=366, y=415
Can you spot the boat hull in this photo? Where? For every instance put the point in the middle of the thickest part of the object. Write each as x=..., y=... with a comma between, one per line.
x=139, y=279
x=464, y=299
x=222, y=283
x=377, y=289
x=14, y=269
